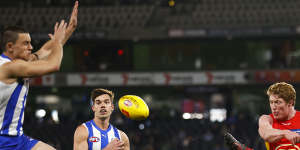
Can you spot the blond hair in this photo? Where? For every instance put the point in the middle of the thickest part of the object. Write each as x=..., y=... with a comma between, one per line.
x=283, y=90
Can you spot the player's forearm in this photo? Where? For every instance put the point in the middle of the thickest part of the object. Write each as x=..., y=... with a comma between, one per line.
x=271, y=135
x=68, y=34
x=55, y=57
x=79, y=146
x=48, y=45
x=45, y=50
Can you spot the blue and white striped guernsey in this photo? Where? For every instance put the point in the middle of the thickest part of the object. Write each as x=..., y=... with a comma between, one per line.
x=12, y=104
x=98, y=138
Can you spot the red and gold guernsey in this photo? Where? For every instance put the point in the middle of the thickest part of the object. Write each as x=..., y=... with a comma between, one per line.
x=292, y=125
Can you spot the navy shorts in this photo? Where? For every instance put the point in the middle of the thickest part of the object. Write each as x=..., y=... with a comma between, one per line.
x=21, y=142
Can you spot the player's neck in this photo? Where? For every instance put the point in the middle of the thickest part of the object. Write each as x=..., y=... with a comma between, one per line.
x=292, y=114
x=102, y=124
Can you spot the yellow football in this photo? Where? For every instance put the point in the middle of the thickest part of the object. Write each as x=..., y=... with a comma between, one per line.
x=133, y=107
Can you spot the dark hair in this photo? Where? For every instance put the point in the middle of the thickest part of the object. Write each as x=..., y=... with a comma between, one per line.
x=10, y=34
x=97, y=92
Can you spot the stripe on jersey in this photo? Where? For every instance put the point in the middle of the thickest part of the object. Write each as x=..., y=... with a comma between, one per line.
x=117, y=133
x=21, y=117
x=16, y=117
x=267, y=145
x=97, y=133
x=110, y=135
x=4, y=56
x=102, y=134
x=295, y=130
x=10, y=109
x=89, y=127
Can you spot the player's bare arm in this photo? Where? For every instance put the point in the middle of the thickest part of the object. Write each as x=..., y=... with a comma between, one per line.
x=20, y=68
x=269, y=134
x=125, y=139
x=45, y=50
x=266, y=130
x=72, y=23
x=80, y=138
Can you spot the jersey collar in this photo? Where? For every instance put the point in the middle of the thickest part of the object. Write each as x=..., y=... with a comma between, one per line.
x=4, y=56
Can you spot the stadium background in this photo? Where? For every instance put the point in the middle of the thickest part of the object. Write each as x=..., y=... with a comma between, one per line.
x=203, y=66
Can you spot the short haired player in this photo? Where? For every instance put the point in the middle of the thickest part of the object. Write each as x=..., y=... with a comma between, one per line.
x=99, y=134
x=281, y=128
x=17, y=64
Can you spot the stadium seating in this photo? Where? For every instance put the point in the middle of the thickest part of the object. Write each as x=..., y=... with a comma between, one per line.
x=203, y=14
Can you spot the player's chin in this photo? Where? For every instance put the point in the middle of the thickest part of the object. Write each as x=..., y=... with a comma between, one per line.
x=27, y=57
x=278, y=117
x=103, y=115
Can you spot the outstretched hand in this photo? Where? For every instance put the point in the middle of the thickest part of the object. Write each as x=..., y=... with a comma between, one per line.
x=73, y=19
x=62, y=33
x=59, y=31
x=72, y=24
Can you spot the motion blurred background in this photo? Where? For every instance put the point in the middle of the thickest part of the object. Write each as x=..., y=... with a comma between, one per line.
x=203, y=67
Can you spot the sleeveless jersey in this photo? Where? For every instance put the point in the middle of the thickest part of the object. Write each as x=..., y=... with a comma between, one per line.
x=98, y=138
x=292, y=125
x=12, y=104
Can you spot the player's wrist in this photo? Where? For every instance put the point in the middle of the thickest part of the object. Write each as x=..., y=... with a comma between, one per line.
x=36, y=56
x=283, y=133
x=57, y=41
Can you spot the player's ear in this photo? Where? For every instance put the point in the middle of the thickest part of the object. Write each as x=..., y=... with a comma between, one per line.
x=291, y=103
x=93, y=108
x=9, y=46
x=113, y=106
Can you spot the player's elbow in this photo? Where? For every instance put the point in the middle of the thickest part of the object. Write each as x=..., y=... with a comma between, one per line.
x=52, y=68
x=269, y=137
x=262, y=134
x=55, y=68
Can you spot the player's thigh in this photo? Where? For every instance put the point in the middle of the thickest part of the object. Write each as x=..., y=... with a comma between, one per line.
x=42, y=146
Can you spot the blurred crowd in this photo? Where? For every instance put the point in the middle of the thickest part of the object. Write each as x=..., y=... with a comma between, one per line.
x=161, y=131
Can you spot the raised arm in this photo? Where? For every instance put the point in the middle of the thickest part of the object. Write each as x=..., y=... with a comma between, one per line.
x=80, y=138
x=45, y=50
x=269, y=134
x=72, y=23
x=20, y=68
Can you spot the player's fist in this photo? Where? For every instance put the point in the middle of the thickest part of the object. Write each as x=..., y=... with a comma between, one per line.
x=115, y=144
x=293, y=137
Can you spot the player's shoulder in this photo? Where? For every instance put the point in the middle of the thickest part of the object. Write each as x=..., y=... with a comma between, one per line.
x=123, y=134
x=116, y=128
x=81, y=134
x=297, y=116
x=8, y=65
x=6, y=69
x=81, y=130
x=265, y=117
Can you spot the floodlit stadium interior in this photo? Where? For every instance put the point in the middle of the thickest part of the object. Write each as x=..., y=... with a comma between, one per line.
x=202, y=66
